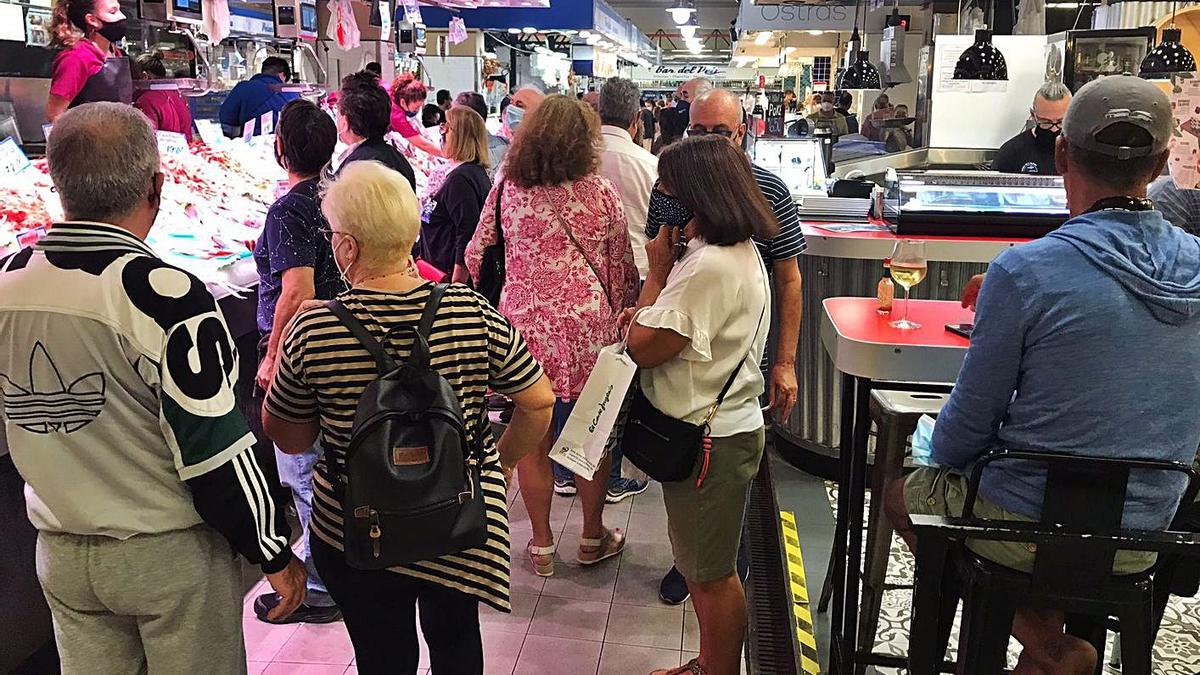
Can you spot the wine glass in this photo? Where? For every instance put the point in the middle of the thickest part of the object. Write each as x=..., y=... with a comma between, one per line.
x=908, y=270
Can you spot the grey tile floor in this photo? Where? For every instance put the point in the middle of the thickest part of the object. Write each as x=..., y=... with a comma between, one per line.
x=605, y=619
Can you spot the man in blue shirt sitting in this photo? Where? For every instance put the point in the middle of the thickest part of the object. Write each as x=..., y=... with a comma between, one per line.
x=250, y=100
x=1085, y=342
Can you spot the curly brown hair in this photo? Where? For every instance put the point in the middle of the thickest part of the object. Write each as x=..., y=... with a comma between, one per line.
x=68, y=23
x=557, y=143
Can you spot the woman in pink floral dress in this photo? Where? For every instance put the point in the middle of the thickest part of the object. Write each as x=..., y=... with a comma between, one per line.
x=570, y=273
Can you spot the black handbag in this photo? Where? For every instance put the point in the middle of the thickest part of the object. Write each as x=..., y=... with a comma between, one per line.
x=664, y=447
x=410, y=486
x=491, y=268
x=667, y=448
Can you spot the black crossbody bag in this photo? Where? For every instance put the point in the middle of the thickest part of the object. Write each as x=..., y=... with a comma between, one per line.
x=665, y=447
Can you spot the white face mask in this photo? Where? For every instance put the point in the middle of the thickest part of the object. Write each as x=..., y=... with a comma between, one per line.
x=826, y=106
x=513, y=116
x=343, y=272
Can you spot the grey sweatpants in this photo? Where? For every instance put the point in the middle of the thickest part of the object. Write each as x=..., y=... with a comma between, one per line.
x=156, y=603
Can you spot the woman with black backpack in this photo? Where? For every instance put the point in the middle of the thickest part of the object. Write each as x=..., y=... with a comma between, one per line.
x=404, y=473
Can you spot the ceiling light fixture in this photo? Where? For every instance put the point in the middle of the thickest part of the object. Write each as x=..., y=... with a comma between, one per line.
x=859, y=74
x=681, y=10
x=981, y=61
x=689, y=29
x=585, y=34
x=529, y=31
x=1169, y=57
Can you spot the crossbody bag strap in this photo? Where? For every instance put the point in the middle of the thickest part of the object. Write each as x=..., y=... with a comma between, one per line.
x=383, y=362
x=712, y=412
x=499, y=228
x=571, y=235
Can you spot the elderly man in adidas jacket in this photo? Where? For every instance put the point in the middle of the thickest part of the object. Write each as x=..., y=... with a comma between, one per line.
x=117, y=373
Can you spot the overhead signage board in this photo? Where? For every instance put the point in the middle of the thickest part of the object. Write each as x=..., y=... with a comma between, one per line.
x=752, y=17
x=609, y=23
x=686, y=71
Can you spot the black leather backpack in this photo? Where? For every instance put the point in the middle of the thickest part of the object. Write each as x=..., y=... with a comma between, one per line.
x=411, y=487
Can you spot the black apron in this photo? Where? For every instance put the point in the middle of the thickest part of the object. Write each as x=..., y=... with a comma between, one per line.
x=112, y=84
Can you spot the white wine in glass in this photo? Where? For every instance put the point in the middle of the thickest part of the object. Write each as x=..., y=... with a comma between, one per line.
x=908, y=269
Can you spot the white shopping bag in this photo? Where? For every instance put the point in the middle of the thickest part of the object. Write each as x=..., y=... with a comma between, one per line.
x=585, y=437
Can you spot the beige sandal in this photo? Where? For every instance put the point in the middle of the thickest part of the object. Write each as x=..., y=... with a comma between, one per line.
x=541, y=569
x=607, y=546
x=690, y=668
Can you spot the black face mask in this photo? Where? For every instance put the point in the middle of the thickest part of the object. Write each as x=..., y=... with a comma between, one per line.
x=667, y=210
x=113, y=31
x=1045, y=138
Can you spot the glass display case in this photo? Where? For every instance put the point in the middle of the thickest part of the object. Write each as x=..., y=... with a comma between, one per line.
x=1081, y=56
x=798, y=161
x=974, y=203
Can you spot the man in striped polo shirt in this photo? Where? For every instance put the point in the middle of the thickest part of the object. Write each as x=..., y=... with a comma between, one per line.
x=719, y=111
x=117, y=375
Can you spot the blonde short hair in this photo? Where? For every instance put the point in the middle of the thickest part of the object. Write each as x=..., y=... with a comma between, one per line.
x=469, y=142
x=376, y=206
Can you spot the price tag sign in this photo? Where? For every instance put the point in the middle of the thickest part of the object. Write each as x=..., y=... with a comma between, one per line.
x=30, y=237
x=46, y=130
x=171, y=143
x=247, y=131
x=210, y=133
x=266, y=123
x=12, y=158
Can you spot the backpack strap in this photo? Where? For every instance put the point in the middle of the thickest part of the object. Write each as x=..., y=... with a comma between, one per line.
x=431, y=307
x=383, y=362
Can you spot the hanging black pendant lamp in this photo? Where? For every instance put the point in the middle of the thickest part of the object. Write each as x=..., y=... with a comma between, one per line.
x=981, y=61
x=1169, y=57
x=861, y=74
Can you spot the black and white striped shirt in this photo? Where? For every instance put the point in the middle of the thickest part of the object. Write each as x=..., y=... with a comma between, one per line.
x=789, y=243
x=324, y=370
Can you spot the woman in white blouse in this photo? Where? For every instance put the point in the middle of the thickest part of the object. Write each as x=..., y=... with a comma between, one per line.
x=702, y=315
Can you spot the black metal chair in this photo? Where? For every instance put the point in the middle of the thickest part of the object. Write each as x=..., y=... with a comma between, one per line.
x=1077, y=539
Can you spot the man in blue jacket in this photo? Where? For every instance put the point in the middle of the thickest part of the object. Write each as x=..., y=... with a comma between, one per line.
x=1085, y=342
x=250, y=100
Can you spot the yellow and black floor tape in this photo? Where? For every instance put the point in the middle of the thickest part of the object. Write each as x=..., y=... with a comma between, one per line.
x=795, y=568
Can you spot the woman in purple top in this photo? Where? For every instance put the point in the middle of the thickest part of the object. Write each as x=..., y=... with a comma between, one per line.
x=89, y=68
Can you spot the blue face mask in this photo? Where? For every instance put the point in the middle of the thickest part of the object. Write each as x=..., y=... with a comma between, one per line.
x=513, y=116
x=411, y=113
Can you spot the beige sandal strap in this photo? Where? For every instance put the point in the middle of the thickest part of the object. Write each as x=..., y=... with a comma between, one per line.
x=542, y=550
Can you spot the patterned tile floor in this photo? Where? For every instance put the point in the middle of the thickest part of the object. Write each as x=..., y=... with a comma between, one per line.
x=1177, y=651
x=600, y=620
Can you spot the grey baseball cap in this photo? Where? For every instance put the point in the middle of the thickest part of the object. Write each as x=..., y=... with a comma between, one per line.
x=1117, y=99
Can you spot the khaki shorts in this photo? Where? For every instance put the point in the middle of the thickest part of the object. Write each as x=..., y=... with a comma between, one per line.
x=943, y=492
x=705, y=523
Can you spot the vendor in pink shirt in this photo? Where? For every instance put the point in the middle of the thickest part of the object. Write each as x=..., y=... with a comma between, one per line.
x=89, y=68
x=166, y=108
x=408, y=97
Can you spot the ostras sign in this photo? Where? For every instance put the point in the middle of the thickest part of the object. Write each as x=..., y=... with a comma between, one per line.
x=753, y=17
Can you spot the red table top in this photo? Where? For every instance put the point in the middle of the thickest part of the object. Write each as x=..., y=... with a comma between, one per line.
x=858, y=320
